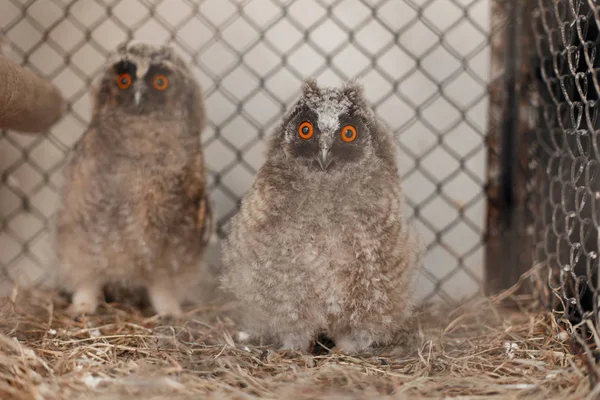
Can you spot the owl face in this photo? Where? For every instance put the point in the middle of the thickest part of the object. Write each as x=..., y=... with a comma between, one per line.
x=143, y=79
x=328, y=129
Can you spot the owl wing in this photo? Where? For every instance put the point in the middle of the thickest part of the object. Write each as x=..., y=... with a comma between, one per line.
x=81, y=167
x=195, y=188
x=253, y=225
x=205, y=220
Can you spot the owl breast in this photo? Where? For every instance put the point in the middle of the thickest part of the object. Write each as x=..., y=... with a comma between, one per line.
x=134, y=202
x=339, y=233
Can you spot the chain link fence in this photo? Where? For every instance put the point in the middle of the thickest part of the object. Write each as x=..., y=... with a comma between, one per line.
x=425, y=65
x=565, y=166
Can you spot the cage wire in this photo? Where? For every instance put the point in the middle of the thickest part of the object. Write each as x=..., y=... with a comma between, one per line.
x=425, y=65
x=565, y=166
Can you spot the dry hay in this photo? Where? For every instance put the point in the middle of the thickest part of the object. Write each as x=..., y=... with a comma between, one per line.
x=479, y=350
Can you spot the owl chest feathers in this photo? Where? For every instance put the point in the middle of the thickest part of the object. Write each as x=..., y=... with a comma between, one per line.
x=320, y=238
x=341, y=221
x=134, y=174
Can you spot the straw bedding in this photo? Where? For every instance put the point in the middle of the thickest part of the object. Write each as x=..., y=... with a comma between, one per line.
x=482, y=349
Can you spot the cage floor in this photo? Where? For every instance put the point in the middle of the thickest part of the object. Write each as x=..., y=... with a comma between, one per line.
x=480, y=350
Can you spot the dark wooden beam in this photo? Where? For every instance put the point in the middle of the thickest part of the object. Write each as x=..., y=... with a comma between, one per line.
x=509, y=249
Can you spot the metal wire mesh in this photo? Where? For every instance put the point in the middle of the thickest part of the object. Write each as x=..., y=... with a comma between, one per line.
x=425, y=65
x=565, y=164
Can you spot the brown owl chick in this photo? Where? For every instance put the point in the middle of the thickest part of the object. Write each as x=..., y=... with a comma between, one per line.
x=134, y=208
x=319, y=243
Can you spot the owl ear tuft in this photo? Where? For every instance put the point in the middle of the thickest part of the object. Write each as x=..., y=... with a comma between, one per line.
x=309, y=86
x=354, y=90
x=122, y=48
x=166, y=51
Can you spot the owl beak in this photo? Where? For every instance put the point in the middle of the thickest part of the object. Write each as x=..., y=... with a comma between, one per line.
x=137, y=97
x=324, y=158
x=140, y=89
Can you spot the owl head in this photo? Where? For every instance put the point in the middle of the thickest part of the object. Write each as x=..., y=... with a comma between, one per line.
x=331, y=129
x=141, y=79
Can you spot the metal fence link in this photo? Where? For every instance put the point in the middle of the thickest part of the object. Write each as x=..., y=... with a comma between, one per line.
x=566, y=164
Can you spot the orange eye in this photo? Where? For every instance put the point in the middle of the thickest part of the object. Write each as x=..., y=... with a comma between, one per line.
x=305, y=130
x=124, y=81
x=161, y=82
x=348, y=133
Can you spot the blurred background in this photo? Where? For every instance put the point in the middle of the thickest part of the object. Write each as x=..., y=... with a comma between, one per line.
x=425, y=65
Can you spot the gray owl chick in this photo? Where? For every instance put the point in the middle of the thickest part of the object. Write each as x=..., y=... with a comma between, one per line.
x=319, y=243
x=134, y=206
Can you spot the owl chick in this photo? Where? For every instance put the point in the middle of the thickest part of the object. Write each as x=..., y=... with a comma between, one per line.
x=319, y=243
x=134, y=205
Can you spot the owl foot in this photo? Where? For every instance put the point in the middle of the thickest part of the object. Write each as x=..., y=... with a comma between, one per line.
x=164, y=301
x=352, y=345
x=294, y=343
x=85, y=301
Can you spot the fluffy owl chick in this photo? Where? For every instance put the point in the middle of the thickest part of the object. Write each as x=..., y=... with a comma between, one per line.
x=319, y=243
x=134, y=206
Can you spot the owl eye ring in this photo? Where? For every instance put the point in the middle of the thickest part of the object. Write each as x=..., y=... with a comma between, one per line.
x=305, y=130
x=124, y=81
x=160, y=82
x=348, y=133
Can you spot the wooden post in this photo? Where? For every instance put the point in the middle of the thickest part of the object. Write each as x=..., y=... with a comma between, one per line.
x=28, y=102
x=509, y=248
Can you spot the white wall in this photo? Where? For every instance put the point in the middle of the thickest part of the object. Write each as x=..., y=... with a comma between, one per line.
x=424, y=106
